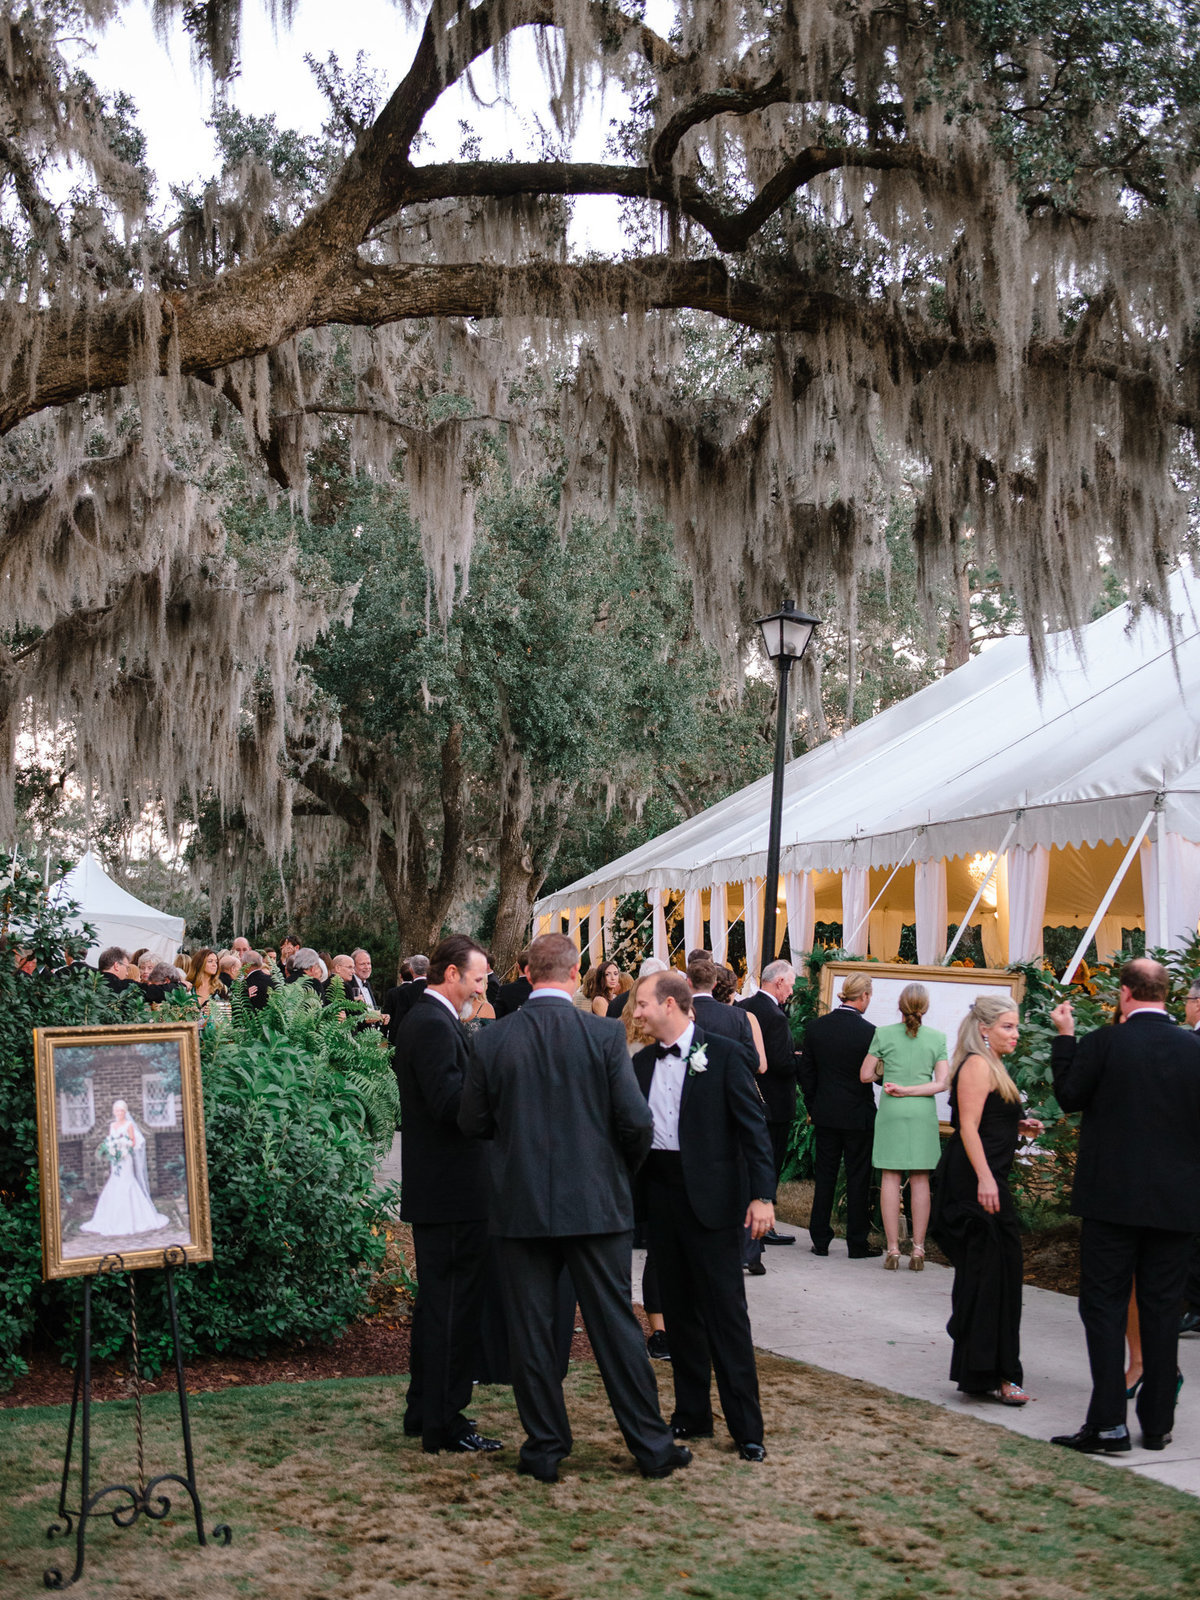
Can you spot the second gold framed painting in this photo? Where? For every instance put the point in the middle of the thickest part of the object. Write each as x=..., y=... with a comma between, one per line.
x=123, y=1170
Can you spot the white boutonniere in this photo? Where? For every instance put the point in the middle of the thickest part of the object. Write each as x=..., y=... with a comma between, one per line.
x=697, y=1060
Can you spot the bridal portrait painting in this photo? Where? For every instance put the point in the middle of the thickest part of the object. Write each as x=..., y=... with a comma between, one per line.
x=121, y=1140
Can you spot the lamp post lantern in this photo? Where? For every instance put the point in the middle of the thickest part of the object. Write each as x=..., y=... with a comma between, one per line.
x=786, y=634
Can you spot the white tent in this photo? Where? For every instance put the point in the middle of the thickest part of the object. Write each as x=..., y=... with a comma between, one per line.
x=899, y=820
x=118, y=917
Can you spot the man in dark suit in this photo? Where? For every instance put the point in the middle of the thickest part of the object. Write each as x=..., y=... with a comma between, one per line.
x=708, y=1174
x=842, y=1110
x=114, y=969
x=401, y=998
x=552, y=1087
x=778, y=1084
x=512, y=996
x=443, y=1197
x=1137, y=1188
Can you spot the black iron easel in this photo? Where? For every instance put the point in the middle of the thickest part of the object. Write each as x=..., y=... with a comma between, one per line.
x=145, y=1500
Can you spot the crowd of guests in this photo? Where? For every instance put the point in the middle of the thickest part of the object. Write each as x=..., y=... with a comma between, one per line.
x=536, y=1131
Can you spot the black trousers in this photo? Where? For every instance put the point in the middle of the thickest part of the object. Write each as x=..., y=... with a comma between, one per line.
x=451, y=1273
x=600, y=1265
x=832, y=1146
x=1191, y=1294
x=704, y=1307
x=1111, y=1256
x=781, y=1133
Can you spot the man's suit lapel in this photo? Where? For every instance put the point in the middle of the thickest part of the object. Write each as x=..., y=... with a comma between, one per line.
x=698, y=1037
x=643, y=1067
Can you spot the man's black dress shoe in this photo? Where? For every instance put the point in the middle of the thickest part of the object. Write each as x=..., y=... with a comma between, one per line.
x=413, y=1430
x=680, y=1432
x=752, y=1452
x=818, y=1251
x=1089, y=1442
x=679, y=1457
x=867, y=1253
x=771, y=1237
x=542, y=1474
x=657, y=1346
x=1189, y=1322
x=469, y=1444
x=1156, y=1441
x=756, y=1269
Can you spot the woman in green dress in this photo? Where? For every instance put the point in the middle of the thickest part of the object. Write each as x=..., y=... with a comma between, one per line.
x=911, y=1060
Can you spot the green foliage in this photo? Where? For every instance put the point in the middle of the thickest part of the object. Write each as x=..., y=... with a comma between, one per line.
x=299, y=1101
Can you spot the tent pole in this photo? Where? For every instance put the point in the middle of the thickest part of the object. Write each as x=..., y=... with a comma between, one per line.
x=1109, y=893
x=1160, y=837
x=979, y=893
x=865, y=919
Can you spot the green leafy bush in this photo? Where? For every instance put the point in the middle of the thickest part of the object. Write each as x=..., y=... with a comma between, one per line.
x=300, y=1100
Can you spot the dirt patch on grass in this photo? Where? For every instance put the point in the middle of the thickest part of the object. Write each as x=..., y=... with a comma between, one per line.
x=865, y=1496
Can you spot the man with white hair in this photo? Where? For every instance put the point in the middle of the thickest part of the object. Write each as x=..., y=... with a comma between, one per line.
x=650, y=965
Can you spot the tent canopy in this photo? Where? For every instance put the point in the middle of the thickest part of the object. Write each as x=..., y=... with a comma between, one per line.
x=118, y=917
x=1076, y=762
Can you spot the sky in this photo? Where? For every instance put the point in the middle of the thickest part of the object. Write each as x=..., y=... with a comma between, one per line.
x=174, y=101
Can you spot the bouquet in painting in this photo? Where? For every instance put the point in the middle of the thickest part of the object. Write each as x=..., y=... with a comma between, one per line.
x=115, y=1147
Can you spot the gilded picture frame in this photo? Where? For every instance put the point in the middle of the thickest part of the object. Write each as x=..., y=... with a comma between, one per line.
x=122, y=1164
x=952, y=990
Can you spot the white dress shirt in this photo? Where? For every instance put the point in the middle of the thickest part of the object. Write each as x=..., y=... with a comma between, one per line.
x=666, y=1092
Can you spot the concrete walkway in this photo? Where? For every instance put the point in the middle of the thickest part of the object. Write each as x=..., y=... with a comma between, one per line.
x=889, y=1328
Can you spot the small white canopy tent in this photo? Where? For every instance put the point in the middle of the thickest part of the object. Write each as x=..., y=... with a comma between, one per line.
x=899, y=820
x=118, y=917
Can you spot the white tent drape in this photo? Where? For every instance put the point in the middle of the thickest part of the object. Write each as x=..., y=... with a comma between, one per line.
x=800, y=892
x=596, y=934
x=658, y=902
x=884, y=929
x=1028, y=875
x=718, y=923
x=610, y=917
x=1182, y=892
x=752, y=893
x=545, y=923
x=932, y=915
x=573, y=926
x=1108, y=940
x=693, y=920
x=856, y=897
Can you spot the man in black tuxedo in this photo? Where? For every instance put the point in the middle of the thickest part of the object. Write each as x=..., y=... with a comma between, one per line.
x=552, y=1087
x=778, y=1084
x=114, y=969
x=512, y=996
x=708, y=1174
x=1137, y=1188
x=842, y=1110
x=443, y=1197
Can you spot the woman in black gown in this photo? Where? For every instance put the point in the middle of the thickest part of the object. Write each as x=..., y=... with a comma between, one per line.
x=974, y=1219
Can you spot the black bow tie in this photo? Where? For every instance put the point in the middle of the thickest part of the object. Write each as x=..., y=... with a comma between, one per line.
x=664, y=1050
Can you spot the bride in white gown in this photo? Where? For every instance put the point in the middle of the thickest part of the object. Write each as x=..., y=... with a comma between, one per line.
x=125, y=1205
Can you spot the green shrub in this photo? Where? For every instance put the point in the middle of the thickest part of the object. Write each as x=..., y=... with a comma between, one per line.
x=299, y=1103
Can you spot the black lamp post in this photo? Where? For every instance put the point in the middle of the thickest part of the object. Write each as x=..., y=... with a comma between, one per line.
x=785, y=636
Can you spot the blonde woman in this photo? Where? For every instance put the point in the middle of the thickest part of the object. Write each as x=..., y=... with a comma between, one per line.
x=975, y=1221
x=911, y=1059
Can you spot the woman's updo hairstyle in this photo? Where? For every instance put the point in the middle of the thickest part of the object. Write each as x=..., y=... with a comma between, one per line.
x=854, y=987
x=914, y=1003
x=984, y=1014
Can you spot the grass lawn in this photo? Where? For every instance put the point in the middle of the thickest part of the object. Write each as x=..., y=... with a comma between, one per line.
x=865, y=1496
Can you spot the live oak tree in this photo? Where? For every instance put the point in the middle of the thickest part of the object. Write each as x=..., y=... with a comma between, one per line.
x=952, y=241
